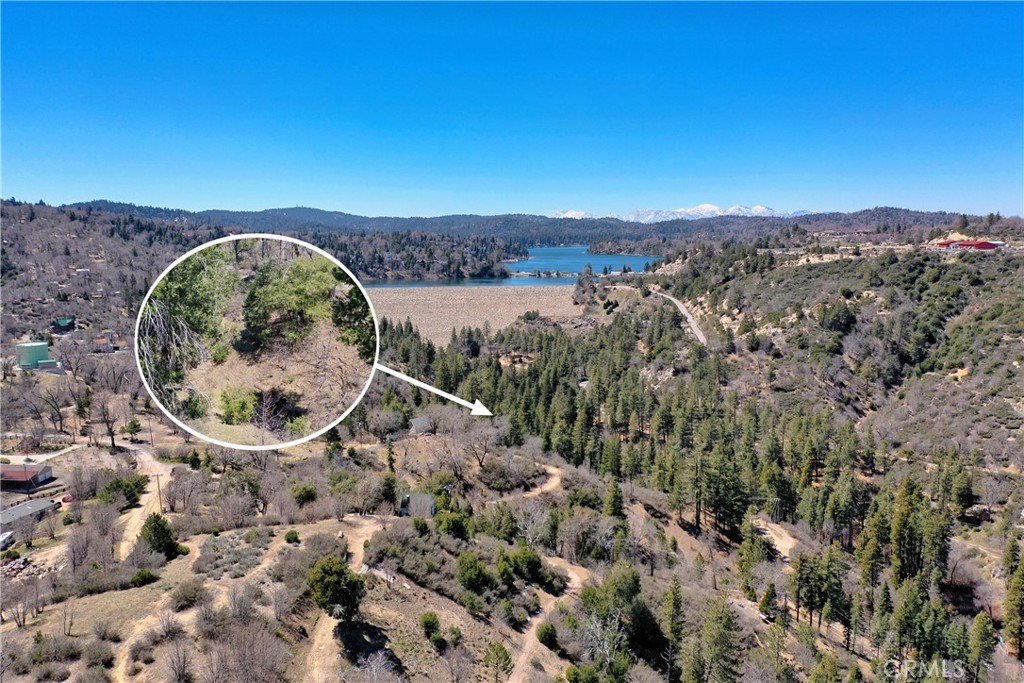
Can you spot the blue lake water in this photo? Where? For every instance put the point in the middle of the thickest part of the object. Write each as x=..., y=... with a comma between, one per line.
x=554, y=265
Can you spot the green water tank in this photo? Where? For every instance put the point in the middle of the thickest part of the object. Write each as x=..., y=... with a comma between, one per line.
x=31, y=353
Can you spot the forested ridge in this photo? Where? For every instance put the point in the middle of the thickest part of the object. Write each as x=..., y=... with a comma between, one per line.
x=63, y=261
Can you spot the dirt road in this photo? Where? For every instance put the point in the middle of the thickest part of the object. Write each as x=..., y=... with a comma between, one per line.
x=324, y=658
x=691, y=321
x=521, y=672
x=149, y=503
x=783, y=540
x=554, y=482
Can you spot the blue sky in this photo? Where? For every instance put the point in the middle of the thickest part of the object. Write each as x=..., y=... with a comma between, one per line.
x=399, y=109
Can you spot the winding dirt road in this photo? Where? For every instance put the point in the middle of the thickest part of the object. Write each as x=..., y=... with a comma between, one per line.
x=691, y=321
x=554, y=481
x=521, y=672
x=324, y=658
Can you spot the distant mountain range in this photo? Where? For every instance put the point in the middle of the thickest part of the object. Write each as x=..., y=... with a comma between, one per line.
x=567, y=228
x=649, y=216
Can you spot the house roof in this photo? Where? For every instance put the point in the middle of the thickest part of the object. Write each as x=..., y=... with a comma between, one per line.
x=32, y=507
x=19, y=472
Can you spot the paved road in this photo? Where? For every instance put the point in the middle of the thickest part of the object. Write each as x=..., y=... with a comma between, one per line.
x=39, y=457
x=694, y=328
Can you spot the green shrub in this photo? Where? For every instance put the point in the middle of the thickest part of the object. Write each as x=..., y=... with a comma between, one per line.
x=472, y=574
x=292, y=536
x=237, y=405
x=298, y=426
x=421, y=526
x=547, y=635
x=473, y=603
x=10, y=555
x=143, y=577
x=437, y=641
x=66, y=520
x=454, y=636
x=304, y=494
x=220, y=353
x=130, y=488
x=453, y=523
x=194, y=407
x=430, y=623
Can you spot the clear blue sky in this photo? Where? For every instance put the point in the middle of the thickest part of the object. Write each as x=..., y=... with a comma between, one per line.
x=429, y=109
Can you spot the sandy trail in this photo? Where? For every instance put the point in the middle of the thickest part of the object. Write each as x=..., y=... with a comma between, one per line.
x=149, y=503
x=554, y=482
x=783, y=540
x=521, y=672
x=324, y=658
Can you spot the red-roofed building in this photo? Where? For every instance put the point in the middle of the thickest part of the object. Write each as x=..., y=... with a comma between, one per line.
x=24, y=477
x=968, y=244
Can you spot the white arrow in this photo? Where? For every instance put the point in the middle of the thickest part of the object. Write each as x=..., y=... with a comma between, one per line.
x=476, y=408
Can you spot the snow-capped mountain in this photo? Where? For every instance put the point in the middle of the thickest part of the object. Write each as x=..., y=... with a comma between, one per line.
x=692, y=213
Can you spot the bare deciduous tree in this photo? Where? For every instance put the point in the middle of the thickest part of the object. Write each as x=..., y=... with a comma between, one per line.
x=24, y=529
x=78, y=548
x=67, y=616
x=179, y=661
x=459, y=662
x=376, y=668
x=17, y=601
x=256, y=655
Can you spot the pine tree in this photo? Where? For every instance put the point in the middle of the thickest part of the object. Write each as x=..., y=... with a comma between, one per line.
x=827, y=671
x=673, y=618
x=769, y=604
x=614, y=505
x=1013, y=609
x=981, y=645
x=498, y=660
x=1011, y=557
x=159, y=536
x=722, y=645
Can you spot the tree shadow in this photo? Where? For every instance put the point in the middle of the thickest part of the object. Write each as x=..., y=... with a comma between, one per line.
x=247, y=343
x=360, y=640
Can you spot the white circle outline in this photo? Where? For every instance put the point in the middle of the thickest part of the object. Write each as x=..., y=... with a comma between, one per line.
x=235, y=238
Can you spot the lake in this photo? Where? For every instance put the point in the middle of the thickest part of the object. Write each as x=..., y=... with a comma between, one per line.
x=568, y=261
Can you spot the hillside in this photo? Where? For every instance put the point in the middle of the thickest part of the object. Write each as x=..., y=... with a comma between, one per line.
x=817, y=489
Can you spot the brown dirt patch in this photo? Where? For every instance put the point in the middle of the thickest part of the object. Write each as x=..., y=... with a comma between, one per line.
x=435, y=311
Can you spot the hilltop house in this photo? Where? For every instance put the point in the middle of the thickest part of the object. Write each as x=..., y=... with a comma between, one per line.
x=976, y=245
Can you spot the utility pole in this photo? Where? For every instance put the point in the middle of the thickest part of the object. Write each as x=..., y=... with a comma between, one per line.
x=149, y=418
x=159, y=496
